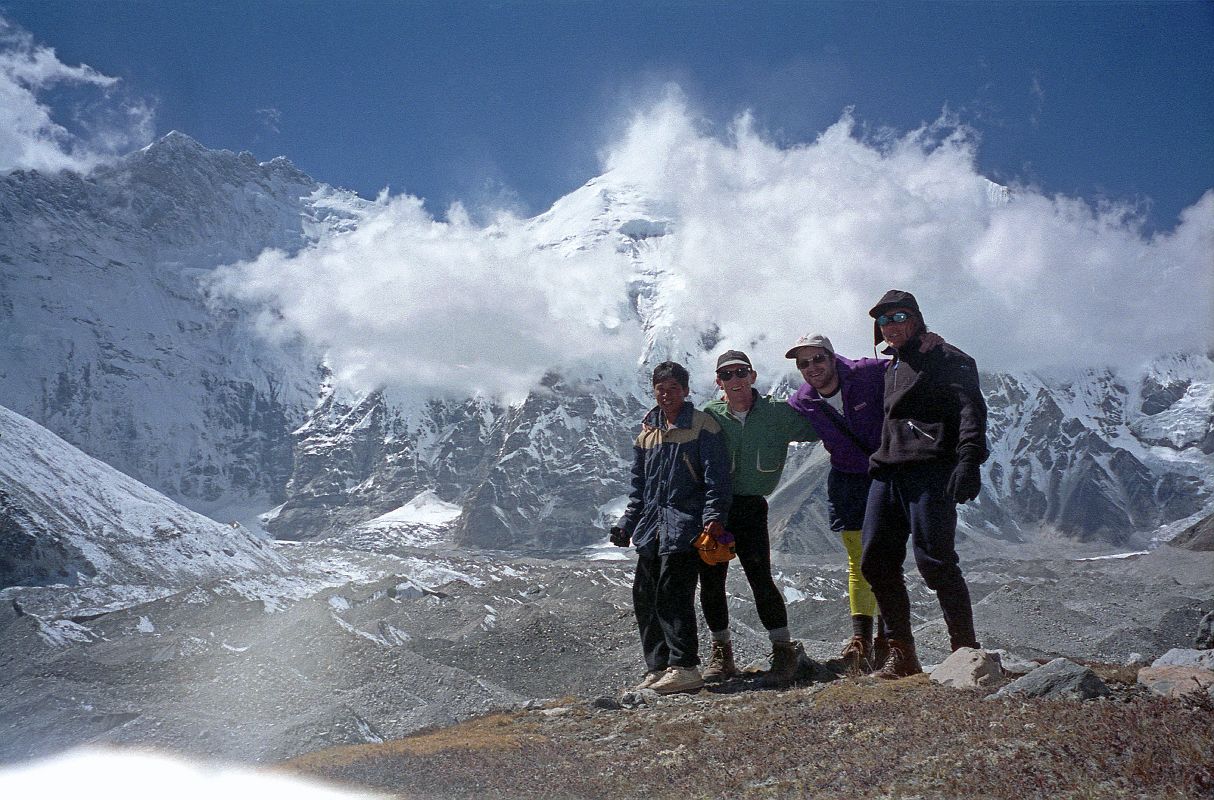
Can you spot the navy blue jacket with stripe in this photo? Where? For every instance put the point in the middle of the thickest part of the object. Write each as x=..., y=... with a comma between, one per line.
x=680, y=482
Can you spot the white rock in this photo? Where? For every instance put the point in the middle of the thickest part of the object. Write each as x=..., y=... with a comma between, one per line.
x=968, y=668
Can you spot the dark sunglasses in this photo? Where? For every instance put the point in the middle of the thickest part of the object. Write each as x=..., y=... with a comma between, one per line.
x=897, y=316
x=802, y=363
x=726, y=374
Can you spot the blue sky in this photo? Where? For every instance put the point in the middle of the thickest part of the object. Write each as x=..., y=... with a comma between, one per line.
x=514, y=102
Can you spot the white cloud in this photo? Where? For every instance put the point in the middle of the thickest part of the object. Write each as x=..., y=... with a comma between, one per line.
x=768, y=242
x=775, y=241
x=135, y=775
x=419, y=303
x=30, y=136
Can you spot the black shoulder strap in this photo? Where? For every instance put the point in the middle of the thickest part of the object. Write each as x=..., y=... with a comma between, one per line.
x=840, y=422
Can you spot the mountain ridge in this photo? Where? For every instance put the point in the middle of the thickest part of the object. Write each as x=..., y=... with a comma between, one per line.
x=119, y=343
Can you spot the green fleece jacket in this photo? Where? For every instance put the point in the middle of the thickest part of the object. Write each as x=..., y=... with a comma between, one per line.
x=757, y=449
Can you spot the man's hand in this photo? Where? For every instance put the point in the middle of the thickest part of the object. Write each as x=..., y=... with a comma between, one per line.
x=618, y=537
x=715, y=529
x=965, y=482
x=929, y=341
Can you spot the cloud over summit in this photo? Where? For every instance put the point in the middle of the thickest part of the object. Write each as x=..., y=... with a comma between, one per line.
x=767, y=241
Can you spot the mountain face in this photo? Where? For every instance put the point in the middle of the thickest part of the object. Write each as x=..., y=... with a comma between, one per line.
x=114, y=344
x=1097, y=456
x=110, y=339
x=66, y=518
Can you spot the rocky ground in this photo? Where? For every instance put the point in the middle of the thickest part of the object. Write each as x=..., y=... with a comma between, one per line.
x=364, y=649
x=844, y=739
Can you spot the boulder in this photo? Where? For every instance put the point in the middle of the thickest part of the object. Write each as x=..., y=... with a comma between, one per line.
x=1013, y=665
x=1177, y=681
x=1205, y=632
x=1059, y=678
x=968, y=668
x=1186, y=657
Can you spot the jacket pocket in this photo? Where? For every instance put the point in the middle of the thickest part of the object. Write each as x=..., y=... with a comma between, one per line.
x=915, y=437
x=769, y=460
x=678, y=531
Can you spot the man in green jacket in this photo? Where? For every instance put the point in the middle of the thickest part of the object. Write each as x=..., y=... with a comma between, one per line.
x=757, y=431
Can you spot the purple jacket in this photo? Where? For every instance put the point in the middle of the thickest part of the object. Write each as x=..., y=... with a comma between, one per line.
x=863, y=385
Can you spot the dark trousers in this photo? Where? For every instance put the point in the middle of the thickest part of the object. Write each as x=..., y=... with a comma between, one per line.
x=663, y=598
x=910, y=502
x=748, y=523
x=846, y=499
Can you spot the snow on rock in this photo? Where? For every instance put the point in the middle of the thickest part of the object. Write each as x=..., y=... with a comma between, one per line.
x=426, y=509
x=67, y=518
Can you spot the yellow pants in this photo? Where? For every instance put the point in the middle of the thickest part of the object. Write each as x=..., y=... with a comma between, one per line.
x=859, y=593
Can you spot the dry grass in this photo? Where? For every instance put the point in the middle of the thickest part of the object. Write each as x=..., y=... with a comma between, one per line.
x=493, y=732
x=847, y=739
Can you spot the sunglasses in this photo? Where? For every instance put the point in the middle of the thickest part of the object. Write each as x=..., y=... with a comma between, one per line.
x=802, y=363
x=897, y=316
x=726, y=374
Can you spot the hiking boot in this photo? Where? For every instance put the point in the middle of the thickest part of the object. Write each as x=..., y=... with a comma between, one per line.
x=720, y=663
x=784, y=662
x=651, y=677
x=857, y=655
x=901, y=663
x=880, y=652
x=679, y=679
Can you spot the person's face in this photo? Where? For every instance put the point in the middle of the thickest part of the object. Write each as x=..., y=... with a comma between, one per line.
x=735, y=381
x=897, y=334
x=670, y=395
x=817, y=367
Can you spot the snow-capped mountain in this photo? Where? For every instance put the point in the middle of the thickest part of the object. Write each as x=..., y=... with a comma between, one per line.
x=110, y=340
x=114, y=344
x=66, y=518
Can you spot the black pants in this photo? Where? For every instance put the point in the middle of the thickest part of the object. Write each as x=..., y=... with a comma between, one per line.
x=748, y=523
x=663, y=599
x=910, y=502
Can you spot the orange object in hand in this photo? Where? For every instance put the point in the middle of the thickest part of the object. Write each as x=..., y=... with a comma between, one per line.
x=715, y=544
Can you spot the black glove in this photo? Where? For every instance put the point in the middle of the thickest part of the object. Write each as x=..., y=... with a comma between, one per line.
x=965, y=482
x=619, y=538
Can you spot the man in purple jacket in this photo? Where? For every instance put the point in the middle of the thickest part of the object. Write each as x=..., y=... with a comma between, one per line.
x=844, y=401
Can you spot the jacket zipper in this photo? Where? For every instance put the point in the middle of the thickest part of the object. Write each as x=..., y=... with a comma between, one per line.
x=690, y=468
x=916, y=429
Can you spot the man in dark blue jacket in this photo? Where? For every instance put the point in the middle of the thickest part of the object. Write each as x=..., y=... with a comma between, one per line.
x=680, y=486
x=933, y=442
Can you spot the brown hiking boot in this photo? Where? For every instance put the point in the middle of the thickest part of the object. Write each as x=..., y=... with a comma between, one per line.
x=901, y=663
x=720, y=663
x=880, y=651
x=857, y=655
x=785, y=658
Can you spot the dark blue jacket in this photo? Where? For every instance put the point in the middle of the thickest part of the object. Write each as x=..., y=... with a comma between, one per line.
x=680, y=482
x=863, y=385
x=934, y=410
